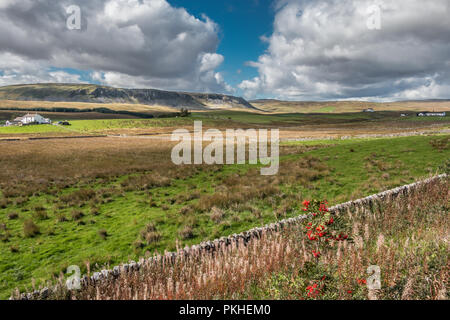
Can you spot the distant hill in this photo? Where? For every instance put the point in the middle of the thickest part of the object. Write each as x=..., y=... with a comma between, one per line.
x=88, y=93
x=150, y=101
x=278, y=106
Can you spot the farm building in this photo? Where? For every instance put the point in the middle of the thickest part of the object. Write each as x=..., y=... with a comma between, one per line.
x=29, y=119
x=431, y=114
x=13, y=123
x=369, y=110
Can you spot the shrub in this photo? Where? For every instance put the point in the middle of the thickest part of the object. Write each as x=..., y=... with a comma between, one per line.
x=186, y=210
x=5, y=237
x=192, y=196
x=185, y=197
x=95, y=212
x=186, y=233
x=13, y=215
x=40, y=213
x=79, y=197
x=152, y=237
x=14, y=249
x=256, y=213
x=145, y=182
x=84, y=194
x=440, y=144
x=150, y=227
x=217, y=214
x=77, y=215
x=385, y=176
x=30, y=229
x=61, y=217
x=39, y=208
x=149, y=234
x=103, y=234
x=138, y=244
x=20, y=201
x=4, y=203
x=152, y=203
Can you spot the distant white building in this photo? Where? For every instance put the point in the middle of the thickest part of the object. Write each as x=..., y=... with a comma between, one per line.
x=31, y=119
x=369, y=110
x=431, y=114
x=13, y=123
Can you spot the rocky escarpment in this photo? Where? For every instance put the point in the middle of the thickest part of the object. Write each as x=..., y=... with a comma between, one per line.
x=102, y=94
x=213, y=100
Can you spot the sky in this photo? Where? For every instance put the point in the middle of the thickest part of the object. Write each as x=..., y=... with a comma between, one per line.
x=242, y=23
x=368, y=50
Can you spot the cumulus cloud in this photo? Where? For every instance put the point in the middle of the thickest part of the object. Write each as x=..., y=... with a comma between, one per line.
x=129, y=43
x=15, y=70
x=325, y=50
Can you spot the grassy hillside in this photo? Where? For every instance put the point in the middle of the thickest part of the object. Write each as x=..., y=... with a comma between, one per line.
x=90, y=201
x=406, y=239
x=50, y=105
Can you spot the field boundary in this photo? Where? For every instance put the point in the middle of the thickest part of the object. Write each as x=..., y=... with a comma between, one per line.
x=52, y=138
x=235, y=240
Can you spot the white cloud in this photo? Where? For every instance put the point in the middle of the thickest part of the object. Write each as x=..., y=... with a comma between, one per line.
x=18, y=70
x=324, y=50
x=126, y=42
x=210, y=61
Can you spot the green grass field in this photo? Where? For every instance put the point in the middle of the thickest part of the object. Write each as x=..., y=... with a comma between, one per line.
x=381, y=120
x=44, y=128
x=354, y=168
x=96, y=126
x=89, y=126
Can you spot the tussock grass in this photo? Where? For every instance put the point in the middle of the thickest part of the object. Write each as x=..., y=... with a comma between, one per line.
x=13, y=216
x=30, y=229
x=407, y=238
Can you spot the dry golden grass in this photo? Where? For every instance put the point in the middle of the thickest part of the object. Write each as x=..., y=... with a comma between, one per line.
x=32, y=166
x=338, y=131
x=275, y=106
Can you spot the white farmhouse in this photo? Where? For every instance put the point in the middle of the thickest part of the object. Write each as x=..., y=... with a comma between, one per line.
x=33, y=119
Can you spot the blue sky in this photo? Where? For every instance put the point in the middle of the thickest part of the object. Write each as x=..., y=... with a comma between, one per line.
x=241, y=23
